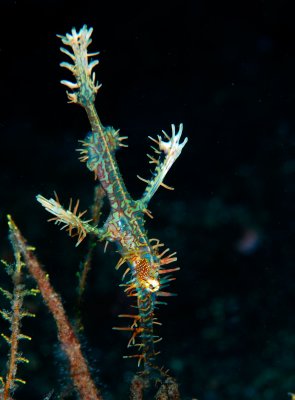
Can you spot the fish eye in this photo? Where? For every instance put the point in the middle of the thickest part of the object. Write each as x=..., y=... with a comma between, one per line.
x=153, y=285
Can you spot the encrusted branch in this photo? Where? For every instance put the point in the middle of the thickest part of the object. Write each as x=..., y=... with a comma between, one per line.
x=79, y=370
x=137, y=387
x=14, y=317
x=168, y=390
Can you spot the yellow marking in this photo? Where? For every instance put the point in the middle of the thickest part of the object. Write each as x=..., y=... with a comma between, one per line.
x=166, y=186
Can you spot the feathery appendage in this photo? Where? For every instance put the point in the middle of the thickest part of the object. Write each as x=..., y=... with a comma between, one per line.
x=171, y=149
x=14, y=317
x=82, y=68
x=146, y=274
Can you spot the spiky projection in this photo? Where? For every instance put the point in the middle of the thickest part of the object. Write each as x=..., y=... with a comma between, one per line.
x=14, y=317
x=145, y=275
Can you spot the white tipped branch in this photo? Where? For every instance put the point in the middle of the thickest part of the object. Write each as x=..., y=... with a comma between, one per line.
x=172, y=149
x=71, y=220
x=69, y=84
x=82, y=66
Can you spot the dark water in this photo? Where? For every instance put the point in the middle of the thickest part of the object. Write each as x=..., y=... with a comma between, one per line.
x=227, y=71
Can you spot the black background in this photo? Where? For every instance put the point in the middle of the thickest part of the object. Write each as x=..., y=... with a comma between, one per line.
x=224, y=69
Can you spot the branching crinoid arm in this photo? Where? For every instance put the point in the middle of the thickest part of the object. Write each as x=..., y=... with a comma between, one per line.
x=85, y=88
x=14, y=317
x=71, y=219
x=78, y=367
x=166, y=154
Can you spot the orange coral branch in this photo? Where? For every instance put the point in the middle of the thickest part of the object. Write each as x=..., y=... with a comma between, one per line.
x=79, y=370
x=15, y=334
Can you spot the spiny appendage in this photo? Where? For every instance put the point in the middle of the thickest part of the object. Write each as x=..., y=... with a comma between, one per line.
x=92, y=151
x=14, y=317
x=146, y=282
x=70, y=218
x=170, y=150
x=85, y=88
x=142, y=337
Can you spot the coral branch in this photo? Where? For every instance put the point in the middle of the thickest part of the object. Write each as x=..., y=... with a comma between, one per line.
x=137, y=387
x=79, y=370
x=14, y=317
x=168, y=390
